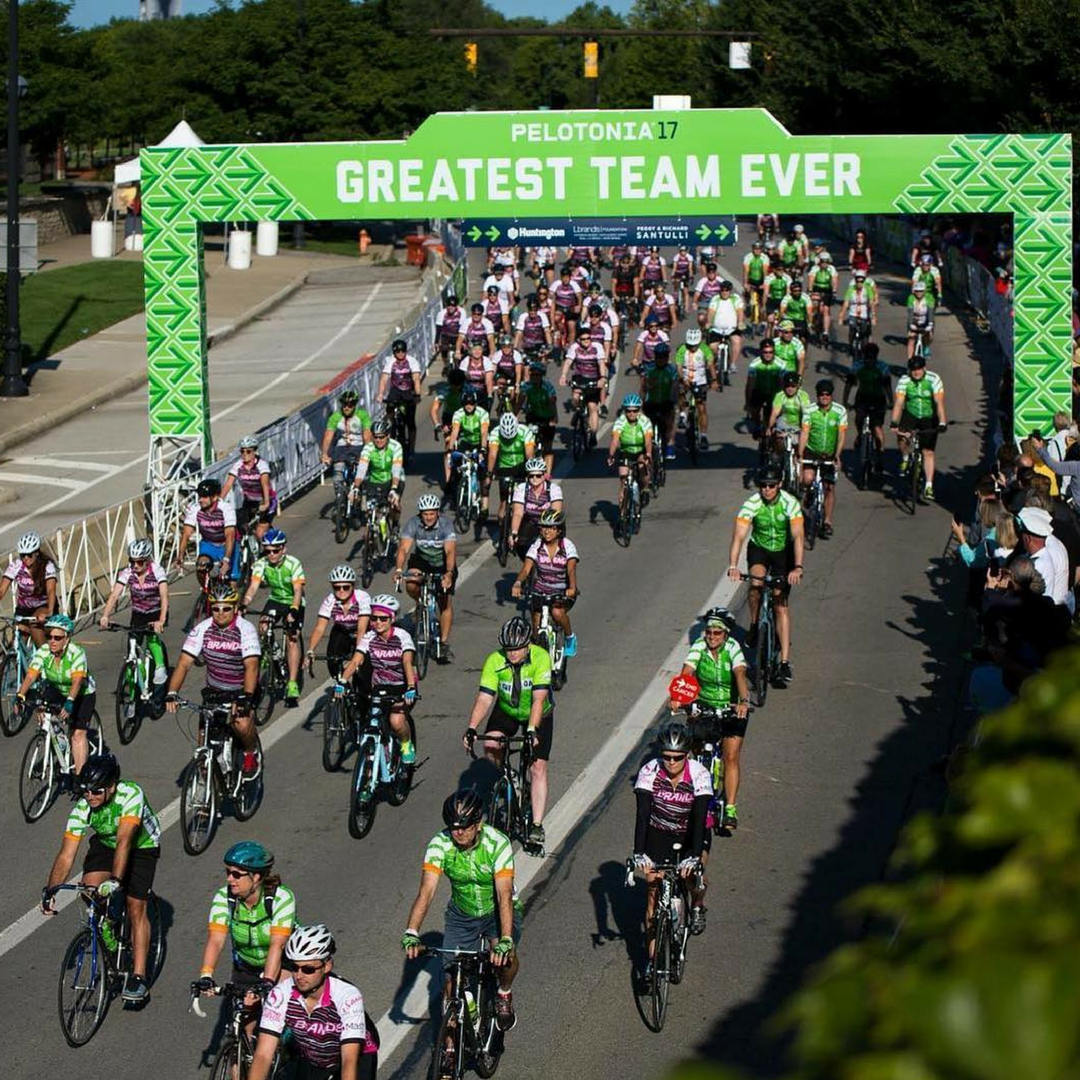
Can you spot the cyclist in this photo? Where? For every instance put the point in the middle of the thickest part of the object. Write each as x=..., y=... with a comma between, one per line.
x=496, y=309
x=348, y=429
x=803, y=242
x=624, y=286
x=533, y=328
x=346, y=611
x=530, y=498
x=673, y=793
x=768, y=225
x=479, y=371
x=661, y=303
x=543, y=262
x=772, y=521
x=502, y=277
x=821, y=442
x=585, y=358
x=795, y=308
x=726, y=318
x=468, y=432
x=401, y=373
x=660, y=392
x=924, y=248
x=33, y=572
x=254, y=913
x=229, y=648
x=858, y=309
x=123, y=855
x=823, y=280
x=861, y=276
x=446, y=402
x=510, y=445
x=554, y=558
x=284, y=576
x=540, y=405
x=435, y=542
x=696, y=364
x=380, y=474
x=928, y=273
x=762, y=385
x=791, y=251
x=478, y=861
x=860, y=254
x=148, y=585
x=776, y=288
x=477, y=330
x=631, y=443
x=872, y=382
x=391, y=653
x=790, y=351
x=645, y=346
x=682, y=270
x=652, y=272
x=717, y=662
x=509, y=366
x=331, y=1036
x=706, y=289
x=258, y=497
x=69, y=687
x=216, y=522
x=448, y=327
x=515, y=691
x=789, y=406
x=567, y=297
x=602, y=329
x=919, y=405
x=755, y=268
x=920, y=318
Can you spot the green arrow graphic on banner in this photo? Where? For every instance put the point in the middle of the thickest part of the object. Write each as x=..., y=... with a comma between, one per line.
x=721, y=232
x=474, y=234
x=702, y=232
x=493, y=234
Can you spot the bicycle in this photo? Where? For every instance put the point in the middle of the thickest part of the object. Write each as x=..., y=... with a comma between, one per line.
x=426, y=632
x=813, y=504
x=867, y=452
x=912, y=492
x=502, y=543
x=817, y=324
x=15, y=654
x=378, y=767
x=509, y=806
x=135, y=683
x=722, y=351
x=579, y=419
x=346, y=499
x=859, y=334
x=792, y=481
x=550, y=635
x=658, y=472
x=250, y=552
x=504, y=402
x=339, y=711
x=767, y=651
x=756, y=321
x=213, y=775
x=207, y=571
x=629, y=520
x=706, y=723
x=467, y=1033
x=399, y=430
x=48, y=764
x=379, y=538
x=922, y=343
x=669, y=937
x=237, y=1049
x=273, y=664
x=99, y=959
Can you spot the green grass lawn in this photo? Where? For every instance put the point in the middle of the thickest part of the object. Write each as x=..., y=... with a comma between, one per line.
x=62, y=306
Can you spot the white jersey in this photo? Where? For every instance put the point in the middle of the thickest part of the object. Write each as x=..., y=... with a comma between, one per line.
x=695, y=366
x=724, y=315
x=505, y=285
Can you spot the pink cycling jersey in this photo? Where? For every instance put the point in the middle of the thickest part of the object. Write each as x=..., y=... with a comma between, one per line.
x=26, y=592
x=551, y=573
x=145, y=591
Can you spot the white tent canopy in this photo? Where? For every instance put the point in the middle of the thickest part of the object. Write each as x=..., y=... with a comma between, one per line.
x=127, y=172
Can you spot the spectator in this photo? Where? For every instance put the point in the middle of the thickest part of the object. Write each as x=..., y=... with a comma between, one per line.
x=1030, y=458
x=1064, y=524
x=1047, y=552
x=977, y=540
x=1067, y=467
x=1006, y=536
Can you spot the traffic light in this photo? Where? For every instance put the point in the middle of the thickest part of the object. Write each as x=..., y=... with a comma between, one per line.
x=471, y=51
x=592, y=60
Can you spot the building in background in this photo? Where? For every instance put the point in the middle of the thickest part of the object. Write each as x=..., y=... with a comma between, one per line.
x=158, y=9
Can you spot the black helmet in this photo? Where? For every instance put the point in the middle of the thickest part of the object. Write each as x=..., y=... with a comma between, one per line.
x=768, y=474
x=455, y=377
x=350, y=397
x=595, y=310
x=725, y=284
x=663, y=349
x=462, y=809
x=477, y=309
x=208, y=488
x=533, y=302
x=710, y=267
x=516, y=633
x=796, y=284
x=451, y=300
x=791, y=378
x=825, y=386
x=674, y=736
x=99, y=770
x=468, y=395
x=566, y=268
x=871, y=350
x=400, y=345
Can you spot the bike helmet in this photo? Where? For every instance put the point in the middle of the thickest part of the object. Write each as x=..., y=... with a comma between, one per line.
x=535, y=465
x=725, y=284
x=790, y=378
x=477, y=309
x=927, y=258
x=385, y=604
x=224, y=592
x=871, y=351
x=552, y=519
x=380, y=427
x=693, y=336
x=596, y=287
x=537, y=368
x=913, y=364
x=28, y=543
x=824, y=257
x=825, y=386
x=674, y=736
x=533, y=304
x=493, y=290
x=99, y=770
x=796, y=284
x=400, y=345
x=313, y=942
x=508, y=426
x=785, y=325
x=348, y=399
x=451, y=300
x=462, y=809
x=516, y=633
x=662, y=351
x=248, y=442
x=140, y=549
x=710, y=268
x=209, y=488
x=468, y=396
x=565, y=270
x=799, y=229
x=60, y=622
x=428, y=502
x=596, y=311
x=631, y=401
x=919, y=286
x=719, y=616
x=505, y=339
x=342, y=574
x=249, y=855
x=768, y=474
x=652, y=320
x=274, y=537
x=455, y=377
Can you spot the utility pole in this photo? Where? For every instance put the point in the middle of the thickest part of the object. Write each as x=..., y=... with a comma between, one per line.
x=13, y=384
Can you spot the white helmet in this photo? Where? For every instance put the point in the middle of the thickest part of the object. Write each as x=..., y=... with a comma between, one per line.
x=919, y=286
x=28, y=543
x=536, y=465
x=428, y=501
x=508, y=426
x=342, y=574
x=387, y=602
x=248, y=442
x=799, y=229
x=313, y=942
x=140, y=549
x=693, y=336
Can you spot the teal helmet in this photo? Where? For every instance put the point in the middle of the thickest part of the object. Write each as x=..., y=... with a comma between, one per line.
x=60, y=622
x=249, y=855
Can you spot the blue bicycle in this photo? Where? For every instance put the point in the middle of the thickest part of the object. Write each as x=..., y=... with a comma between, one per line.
x=15, y=653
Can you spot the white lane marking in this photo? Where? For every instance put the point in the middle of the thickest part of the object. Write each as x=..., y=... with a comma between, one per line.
x=36, y=478
x=561, y=818
x=59, y=463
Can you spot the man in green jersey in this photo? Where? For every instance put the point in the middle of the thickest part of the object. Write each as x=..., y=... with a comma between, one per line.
x=696, y=364
x=381, y=472
x=919, y=406
x=540, y=406
x=284, y=576
x=468, y=433
x=859, y=308
x=790, y=351
x=124, y=848
x=776, y=288
x=346, y=431
x=660, y=394
x=446, y=402
x=631, y=443
x=822, y=289
x=791, y=254
x=515, y=690
x=510, y=445
x=872, y=382
x=755, y=268
x=795, y=308
x=772, y=521
x=762, y=385
x=788, y=408
x=821, y=442
x=928, y=273
x=478, y=861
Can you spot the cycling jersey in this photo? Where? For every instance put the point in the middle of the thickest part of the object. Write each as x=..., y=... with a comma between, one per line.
x=430, y=543
x=381, y=466
x=920, y=314
x=771, y=521
x=632, y=435
x=552, y=577
x=567, y=295
x=472, y=872
x=824, y=427
x=536, y=498
x=249, y=479
x=918, y=394
x=474, y=331
x=755, y=267
x=660, y=384
x=624, y=278
x=537, y=402
x=823, y=280
x=648, y=343
x=858, y=302
x=507, y=361
x=223, y=650
x=59, y=671
x=671, y=806
x=27, y=594
x=498, y=679
x=585, y=359
x=280, y=578
x=792, y=407
x=145, y=590
x=931, y=278
x=776, y=285
x=448, y=322
x=449, y=398
x=790, y=353
x=346, y=613
x=860, y=259
x=714, y=673
x=471, y=425
x=797, y=309
x=495, y=308
x=725, y=315
x=790, y=252
x=706, y=289
x=694, y=363
x=127, y=804
x=660, y=306
x=476, y=374
x=871, y=379
x=401, y=370
x=349, y=430
x=766, y=376
x=386, y=655
x=652, y=269
x=211, y=522
x=252, y=928
x=533, y=329
x=513, y=453
x=681, y=265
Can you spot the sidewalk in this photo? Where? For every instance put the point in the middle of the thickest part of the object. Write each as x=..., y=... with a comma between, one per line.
x=113, y=362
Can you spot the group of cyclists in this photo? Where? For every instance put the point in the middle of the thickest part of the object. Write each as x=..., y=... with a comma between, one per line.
x=498, y=401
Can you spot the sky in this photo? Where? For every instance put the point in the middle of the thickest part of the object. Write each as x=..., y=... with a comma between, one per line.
x=92, y=12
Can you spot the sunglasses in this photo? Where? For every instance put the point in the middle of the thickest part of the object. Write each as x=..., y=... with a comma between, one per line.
x=309, y=969
x=57, y=637
x=714, y=630
x=343, y=588
x=95, y=790
x=236, y=875
x=673, y=757
x=29, y=555
x=274, y=548
x=219, y=609
x=139, y=562
x=380, y=618
x=250, y=450
x=770, y=484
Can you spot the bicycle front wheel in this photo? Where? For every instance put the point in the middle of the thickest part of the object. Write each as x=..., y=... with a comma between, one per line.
x=83, y=996
x=198, y=805
x=249, y=794
x=578, y=437
x=401, y=785
x=500, y=806
x=11, y=722
x=423, y=637
x=658, y=984
x=39, y=778
x=335, y=727
x=448, y=1053
x=762, y=663
x=271, y=687
x=362, y=794
x=231, y=1062
x=489, y=1039
x=128, y=712
x=155, y=959
x=624, y=527
x=341, y=518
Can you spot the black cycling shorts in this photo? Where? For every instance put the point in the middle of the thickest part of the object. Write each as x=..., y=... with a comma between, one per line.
x=276, y=607
x=418, y=562
x=828, y=465
x=876, y=412
x=660, y=846
x=506, y=725
x=779, y=563
x=85, y=704
x=139, y=876
x=590, y=388
x=926, y=426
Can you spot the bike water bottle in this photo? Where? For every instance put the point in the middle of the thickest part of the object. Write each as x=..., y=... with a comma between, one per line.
x=470, y=1004
x=226, y=755
x=678, y=907
x=63, y=745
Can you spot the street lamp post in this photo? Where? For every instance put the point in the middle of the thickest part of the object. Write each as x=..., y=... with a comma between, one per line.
x=13, y=384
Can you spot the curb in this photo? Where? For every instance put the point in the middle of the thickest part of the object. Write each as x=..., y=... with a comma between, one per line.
x=21, y=433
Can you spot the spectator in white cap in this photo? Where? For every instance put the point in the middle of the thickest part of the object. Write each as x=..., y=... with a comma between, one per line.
x=1047, y=552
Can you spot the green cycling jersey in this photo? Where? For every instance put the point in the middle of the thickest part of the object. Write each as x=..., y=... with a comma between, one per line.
x=770, y=521
x=632, y=435
x=279, y=579
x=513, y=452
x=253, y=928
x=60, y=670
x=472, y=872
x=714, y=670
x=824, y=428
x=127, y=804
x=756, y=267
x=776, y=285
x=471, y=425
x=349, y=430
x=766, y=376
x=378, y=466
x=790, y=353
x=871, y=379
x=919, y=394
x=660, y=384
x=795, y=308
x=792, y=406
x=538, y=403
x=513, y=691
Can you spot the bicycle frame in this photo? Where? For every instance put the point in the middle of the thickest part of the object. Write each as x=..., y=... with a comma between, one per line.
x=374, y=738
x=514, y=785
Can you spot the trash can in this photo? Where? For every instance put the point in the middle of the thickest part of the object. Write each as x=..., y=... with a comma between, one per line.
x=415, y=248
x=266, y=238
x=239, y=250
x=101, y=239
